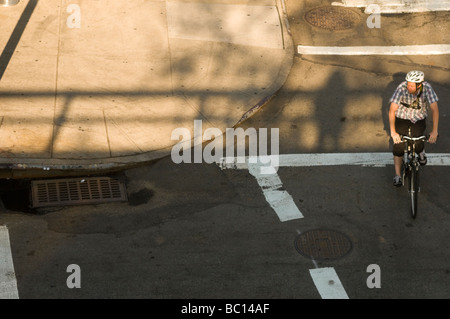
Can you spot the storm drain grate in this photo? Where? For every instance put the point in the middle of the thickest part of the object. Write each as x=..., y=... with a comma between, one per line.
x=323, y=244
x=332, y=18
x=77, y=191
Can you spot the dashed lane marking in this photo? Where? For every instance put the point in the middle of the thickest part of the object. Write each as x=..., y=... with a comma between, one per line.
x=280, y=200
x=328, y=283
x=326, y=280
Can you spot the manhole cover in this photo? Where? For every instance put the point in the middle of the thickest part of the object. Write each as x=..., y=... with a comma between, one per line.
x=323, y=244
x=332, y=18
x=76, y=191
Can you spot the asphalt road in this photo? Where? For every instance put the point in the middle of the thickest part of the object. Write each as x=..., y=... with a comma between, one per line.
x=195, y=231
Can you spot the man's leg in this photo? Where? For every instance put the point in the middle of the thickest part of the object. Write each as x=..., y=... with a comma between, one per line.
x=401, y=126
x=419, y=130
x=398, y=165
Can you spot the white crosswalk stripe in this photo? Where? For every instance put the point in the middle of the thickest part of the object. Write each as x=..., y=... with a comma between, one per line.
x=8, y=284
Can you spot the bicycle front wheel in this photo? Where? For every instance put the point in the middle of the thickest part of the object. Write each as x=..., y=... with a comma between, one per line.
x=414, y=190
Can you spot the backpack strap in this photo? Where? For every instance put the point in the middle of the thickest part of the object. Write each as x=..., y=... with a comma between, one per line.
x=416, y=100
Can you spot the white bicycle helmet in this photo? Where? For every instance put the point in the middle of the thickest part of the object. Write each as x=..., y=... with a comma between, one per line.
x=415, y=76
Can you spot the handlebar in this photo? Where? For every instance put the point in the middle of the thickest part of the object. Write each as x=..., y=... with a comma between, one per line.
x=414, y=139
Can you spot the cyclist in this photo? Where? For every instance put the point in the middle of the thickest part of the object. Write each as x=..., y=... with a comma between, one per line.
x=409, y=108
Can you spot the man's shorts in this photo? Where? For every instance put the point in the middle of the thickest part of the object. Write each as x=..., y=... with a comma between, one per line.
x=417, y=129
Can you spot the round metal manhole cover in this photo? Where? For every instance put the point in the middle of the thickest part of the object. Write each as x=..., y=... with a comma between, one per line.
x=332, y=18
x=323, y=244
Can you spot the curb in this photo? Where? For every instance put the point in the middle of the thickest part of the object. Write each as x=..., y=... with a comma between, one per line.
x=288, y=44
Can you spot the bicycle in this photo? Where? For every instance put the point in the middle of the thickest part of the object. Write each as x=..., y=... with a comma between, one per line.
x=411, y=168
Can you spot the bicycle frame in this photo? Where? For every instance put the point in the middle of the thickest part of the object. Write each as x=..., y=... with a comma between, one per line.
x=410, y=161
x=411, y=168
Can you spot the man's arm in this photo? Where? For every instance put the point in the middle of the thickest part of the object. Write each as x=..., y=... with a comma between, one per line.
x=434, y=133
x=395, y=136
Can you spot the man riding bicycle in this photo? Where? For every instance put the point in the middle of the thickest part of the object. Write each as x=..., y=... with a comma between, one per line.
x=409, y=108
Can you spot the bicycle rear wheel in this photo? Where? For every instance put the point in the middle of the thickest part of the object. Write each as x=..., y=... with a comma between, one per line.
x=414, y=190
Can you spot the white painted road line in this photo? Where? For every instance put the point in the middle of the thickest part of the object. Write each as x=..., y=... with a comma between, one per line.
x=328, y=284
x=358, y=159
x=398, y=6
x=8, y=284
x=280, y=200
x=430, y=49
x=333, y=159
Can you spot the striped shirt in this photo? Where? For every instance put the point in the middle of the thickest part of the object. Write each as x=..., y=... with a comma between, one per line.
x=402, y=98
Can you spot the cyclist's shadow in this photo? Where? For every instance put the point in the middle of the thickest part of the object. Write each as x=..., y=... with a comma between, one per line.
x=330, y=102
x=389, y=90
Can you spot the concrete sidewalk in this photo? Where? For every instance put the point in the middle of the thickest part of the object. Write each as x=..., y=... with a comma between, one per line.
x=86, y=86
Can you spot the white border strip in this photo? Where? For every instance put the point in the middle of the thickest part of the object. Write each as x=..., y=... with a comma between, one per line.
x=430, y=49
x=8, y=283
x=328, y=284
x=398, y=6
x=331, y=159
